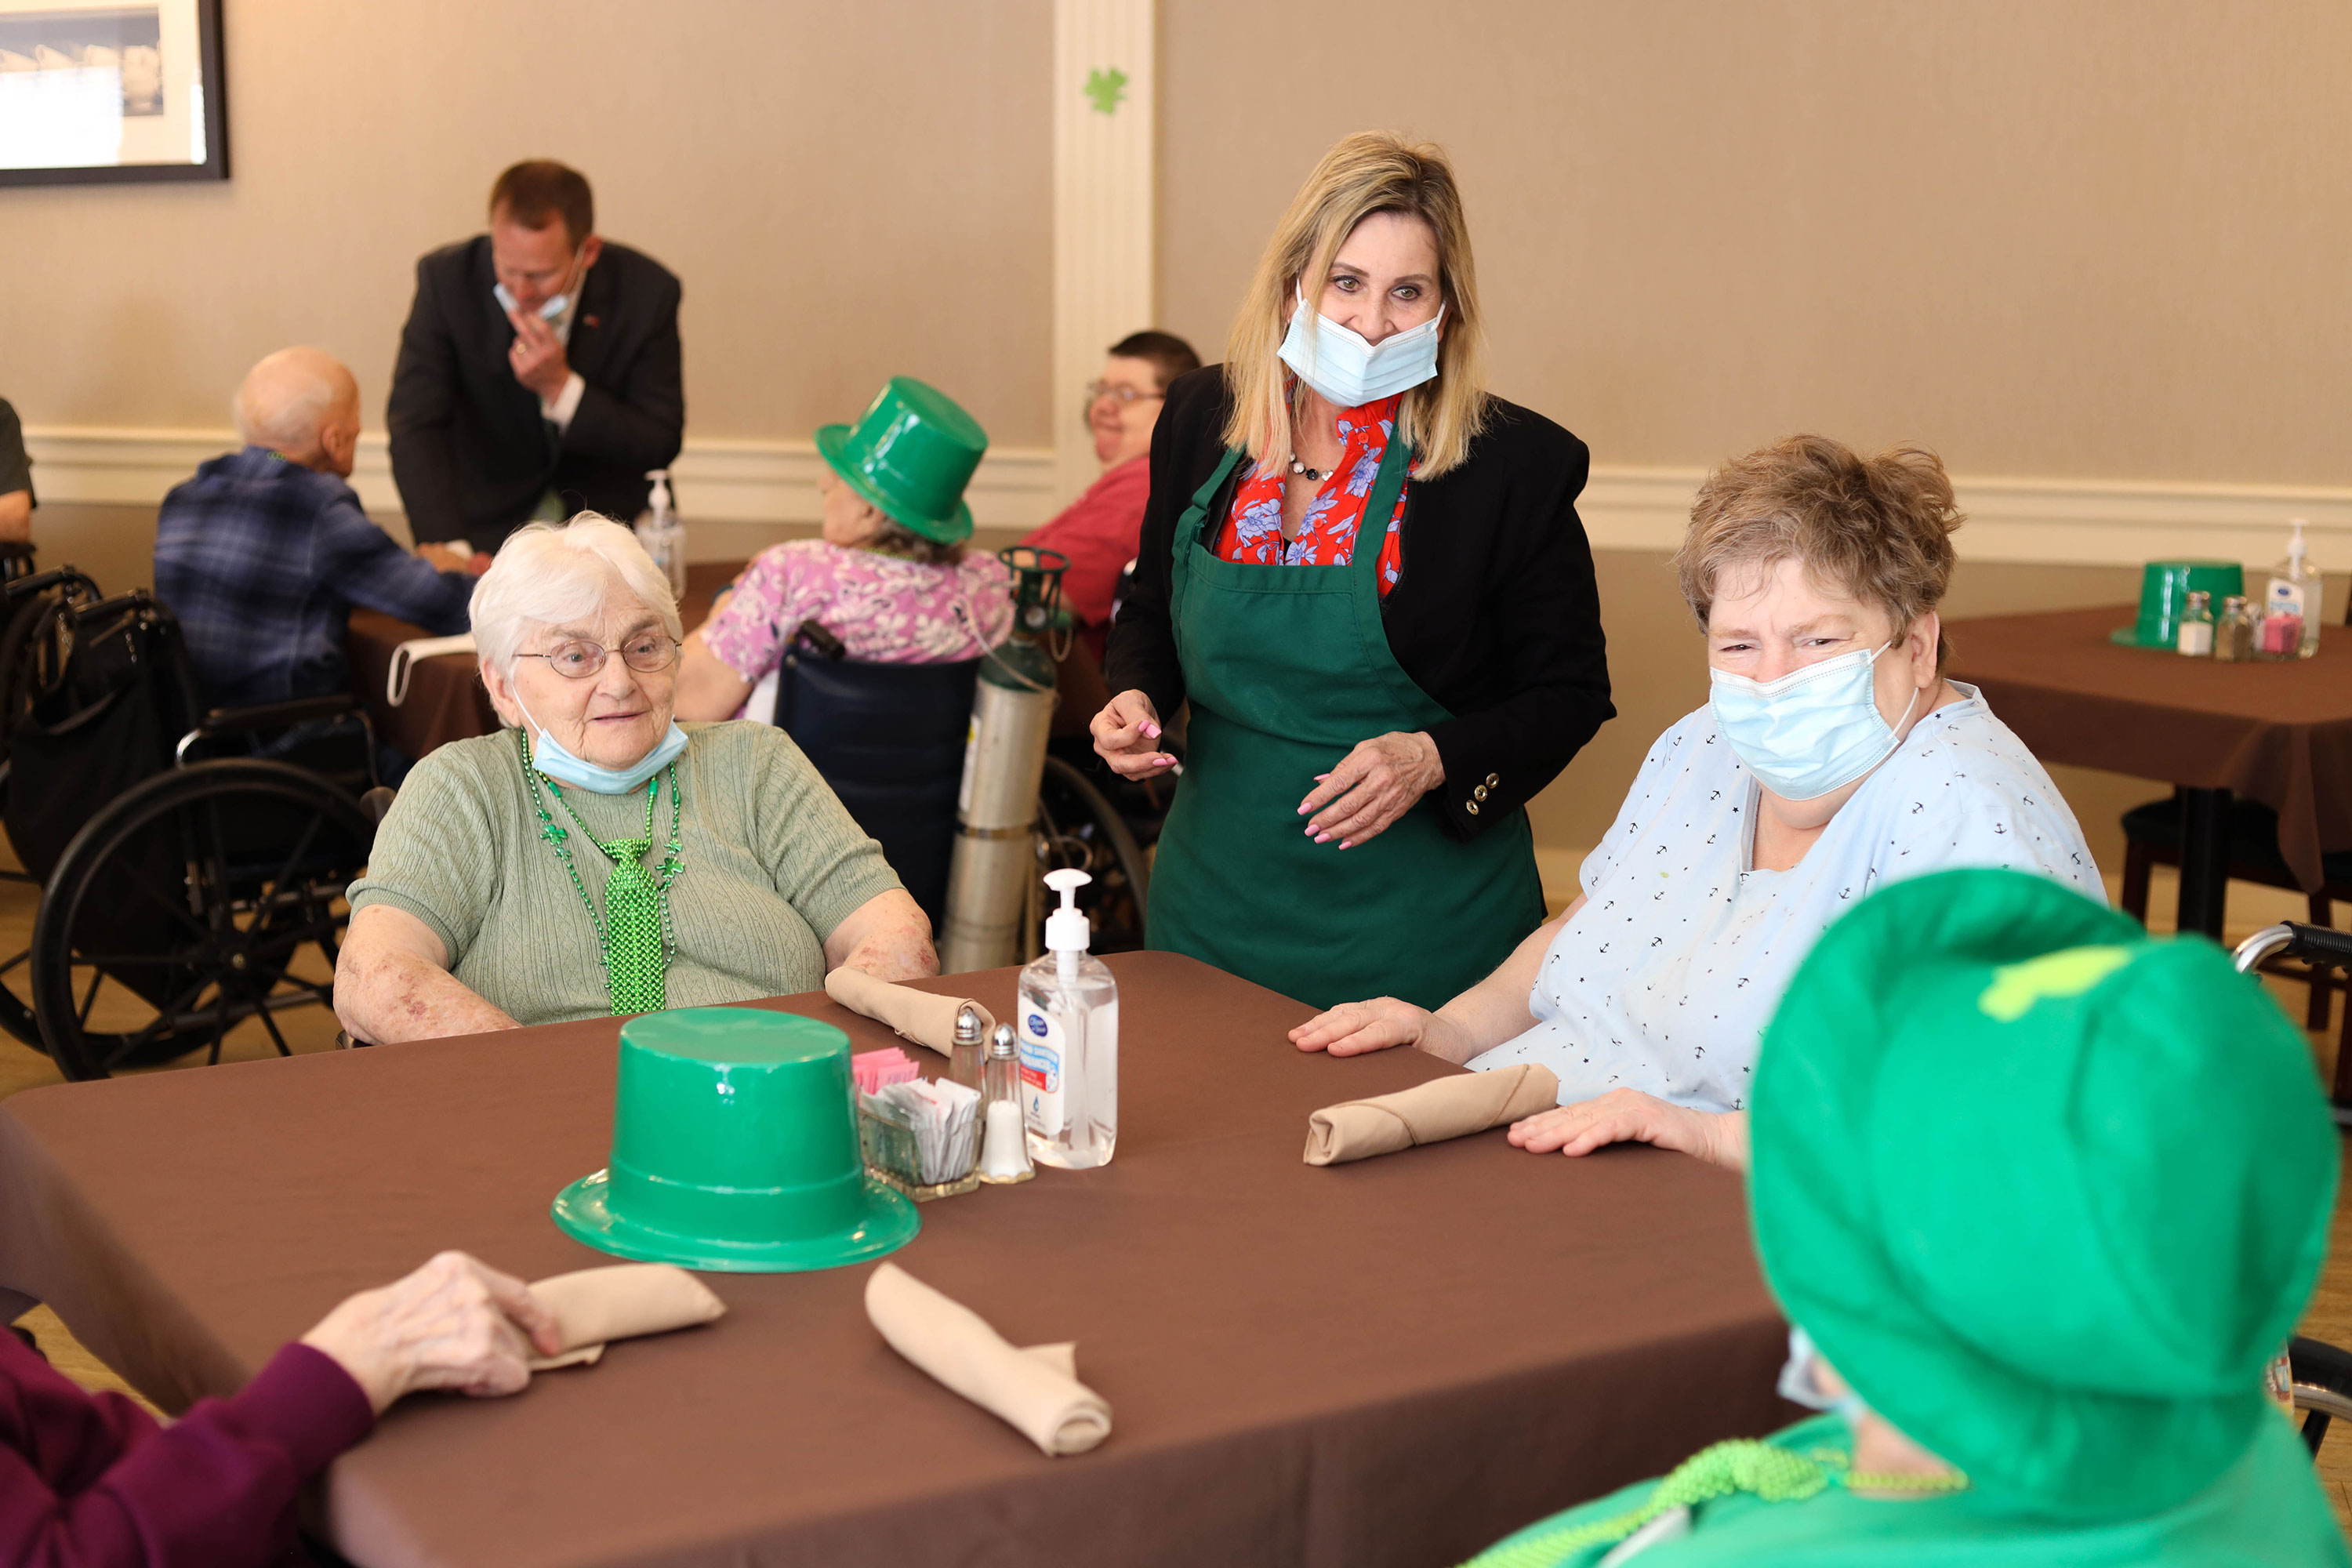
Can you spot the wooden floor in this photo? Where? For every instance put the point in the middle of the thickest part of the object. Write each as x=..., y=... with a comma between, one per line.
x=2329, y=1317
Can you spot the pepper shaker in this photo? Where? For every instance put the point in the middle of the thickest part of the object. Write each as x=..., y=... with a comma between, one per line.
x=968, y=1057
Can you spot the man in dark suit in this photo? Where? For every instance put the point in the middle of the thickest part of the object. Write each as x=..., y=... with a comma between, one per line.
x=539, y=370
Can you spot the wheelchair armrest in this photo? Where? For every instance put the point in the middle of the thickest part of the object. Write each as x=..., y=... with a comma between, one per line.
x=277, y=715
x=2294, y=939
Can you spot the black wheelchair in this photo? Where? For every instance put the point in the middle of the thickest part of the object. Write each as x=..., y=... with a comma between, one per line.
x=889, y=739
x=188, y=859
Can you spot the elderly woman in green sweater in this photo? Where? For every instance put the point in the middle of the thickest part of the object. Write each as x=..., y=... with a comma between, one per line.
x=594, y=857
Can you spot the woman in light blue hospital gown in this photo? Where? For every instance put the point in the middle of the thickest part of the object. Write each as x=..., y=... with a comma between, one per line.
x=1831, y=759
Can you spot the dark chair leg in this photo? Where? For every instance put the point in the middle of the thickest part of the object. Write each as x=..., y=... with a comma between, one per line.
x=2136, y=860
x=2323, y=977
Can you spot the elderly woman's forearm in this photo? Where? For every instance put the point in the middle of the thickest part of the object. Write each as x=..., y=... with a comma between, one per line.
x=887, y=936
x=385, y=998
x=1499, y=1007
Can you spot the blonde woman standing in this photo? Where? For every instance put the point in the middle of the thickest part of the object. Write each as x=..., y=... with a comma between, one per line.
x=1368, y=577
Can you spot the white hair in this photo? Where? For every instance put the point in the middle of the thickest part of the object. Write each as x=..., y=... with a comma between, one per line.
x=287, y=398
x=557, y=574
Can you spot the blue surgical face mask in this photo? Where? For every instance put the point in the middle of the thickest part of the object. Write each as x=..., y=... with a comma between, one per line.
x=1339, y=362
x=553, y=307
x=1800, y=1381
x=551, y=757
x=1813, y=730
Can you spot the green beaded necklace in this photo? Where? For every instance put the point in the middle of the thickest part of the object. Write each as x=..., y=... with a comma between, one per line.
x=634, y=938
x=1739, y=1465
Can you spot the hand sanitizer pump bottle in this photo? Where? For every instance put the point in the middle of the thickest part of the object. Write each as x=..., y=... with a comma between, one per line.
x=662, y=534
x=1069, y=1041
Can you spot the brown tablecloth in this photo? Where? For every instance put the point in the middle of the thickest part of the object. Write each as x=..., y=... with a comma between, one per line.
x=445, y=701
x=1395, y=1362
x=2277, y=732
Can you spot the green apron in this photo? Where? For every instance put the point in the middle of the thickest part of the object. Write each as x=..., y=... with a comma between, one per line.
x=1288, y=667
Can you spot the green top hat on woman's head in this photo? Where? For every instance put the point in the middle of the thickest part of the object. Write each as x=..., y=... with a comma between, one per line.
x=2047, y=1192
x=910, y=454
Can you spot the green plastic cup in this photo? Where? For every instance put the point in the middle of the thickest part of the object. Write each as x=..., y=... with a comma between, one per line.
x=735, y=1148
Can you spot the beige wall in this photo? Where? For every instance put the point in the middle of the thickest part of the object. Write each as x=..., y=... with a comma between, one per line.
x=848, y=191
x=2100, y=240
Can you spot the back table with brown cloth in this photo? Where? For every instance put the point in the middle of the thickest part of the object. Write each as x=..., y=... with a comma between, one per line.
x=445, y=701
x=2277, y=732
x=1393, y=1361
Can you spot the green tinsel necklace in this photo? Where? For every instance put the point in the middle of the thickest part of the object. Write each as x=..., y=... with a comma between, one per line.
x=634, y=938
x=1739, y=1465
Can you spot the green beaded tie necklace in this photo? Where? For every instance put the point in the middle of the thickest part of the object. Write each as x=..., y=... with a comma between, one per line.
x=1739, y=1465
x=634, y=938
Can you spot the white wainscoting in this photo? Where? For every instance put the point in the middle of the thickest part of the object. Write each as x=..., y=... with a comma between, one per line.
x=2034, y=522
x=718, y=481
x=753, y=482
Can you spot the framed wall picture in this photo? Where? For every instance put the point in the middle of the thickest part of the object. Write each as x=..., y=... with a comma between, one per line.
x=99, y=91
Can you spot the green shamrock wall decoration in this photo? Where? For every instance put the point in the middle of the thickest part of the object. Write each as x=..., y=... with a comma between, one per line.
x=1107, y=87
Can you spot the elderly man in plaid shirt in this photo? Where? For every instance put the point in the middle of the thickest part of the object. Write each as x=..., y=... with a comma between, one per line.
x=263, y=554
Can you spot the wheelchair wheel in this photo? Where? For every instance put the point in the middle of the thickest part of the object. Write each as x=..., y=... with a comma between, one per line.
x=182, y=912
x=1077, y=826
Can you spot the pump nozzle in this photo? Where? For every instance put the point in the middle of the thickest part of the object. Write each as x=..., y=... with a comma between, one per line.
x=2295, y=549
x=1066, y=929
x=659, y=501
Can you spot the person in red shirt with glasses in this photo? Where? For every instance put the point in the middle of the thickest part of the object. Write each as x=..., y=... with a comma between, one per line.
x=1099, y=531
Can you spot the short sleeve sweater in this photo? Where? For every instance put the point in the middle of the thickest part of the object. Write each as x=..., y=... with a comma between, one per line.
x=771, y=863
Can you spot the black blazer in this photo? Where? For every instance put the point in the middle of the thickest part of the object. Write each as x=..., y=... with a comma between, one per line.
x=1495, y=613
x=471, y=453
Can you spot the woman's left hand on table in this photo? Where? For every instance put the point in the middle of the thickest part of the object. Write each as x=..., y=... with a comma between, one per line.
x=1629, y=1116
x=1372, y=786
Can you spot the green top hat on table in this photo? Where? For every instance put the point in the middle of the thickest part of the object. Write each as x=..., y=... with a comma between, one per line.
x=2050, y=1194
x=910, y=454
x=2164, y=589
x=735, y=1148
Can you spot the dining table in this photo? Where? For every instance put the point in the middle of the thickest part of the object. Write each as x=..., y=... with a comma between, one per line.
x=2278, y=731
x=1391, y=1362
x=445, y=700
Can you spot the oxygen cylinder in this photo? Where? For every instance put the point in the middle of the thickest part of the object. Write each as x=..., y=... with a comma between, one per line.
x=1003, y=764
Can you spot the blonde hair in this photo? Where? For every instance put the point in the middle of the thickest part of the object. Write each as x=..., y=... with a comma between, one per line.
x=1878, y=528
x=1371, y=172
x=554, y=574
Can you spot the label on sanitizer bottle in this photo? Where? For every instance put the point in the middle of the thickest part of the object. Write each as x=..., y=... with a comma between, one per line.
x=1042, y=1100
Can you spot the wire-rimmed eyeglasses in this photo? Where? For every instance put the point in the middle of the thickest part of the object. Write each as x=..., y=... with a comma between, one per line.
x=1099, y=390
x=647, y=653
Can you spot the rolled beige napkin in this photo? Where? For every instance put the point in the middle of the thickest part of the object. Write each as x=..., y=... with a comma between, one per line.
x=594, y=1306
x=1443, y=1108
x=1035, y=1390
x=918, y=1016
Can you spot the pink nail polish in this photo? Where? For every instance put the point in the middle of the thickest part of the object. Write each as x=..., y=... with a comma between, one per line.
x=1162, y=762
x=1322, y=838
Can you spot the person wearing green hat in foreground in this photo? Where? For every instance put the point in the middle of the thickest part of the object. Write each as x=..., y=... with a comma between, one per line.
x=2042, y=1198
x=890, y=576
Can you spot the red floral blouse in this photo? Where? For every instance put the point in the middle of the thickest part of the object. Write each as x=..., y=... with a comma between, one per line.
x=1327, y=535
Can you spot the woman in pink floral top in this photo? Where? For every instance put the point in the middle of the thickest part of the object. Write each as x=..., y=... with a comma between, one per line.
x=891, y=596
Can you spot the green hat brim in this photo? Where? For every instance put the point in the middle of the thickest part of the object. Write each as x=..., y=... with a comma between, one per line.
x=952, y=529
x=583, y=1210
x=1822, y=1110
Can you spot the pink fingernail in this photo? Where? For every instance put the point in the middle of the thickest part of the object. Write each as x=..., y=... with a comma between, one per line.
x=1152, y=729
x=1322, y=838
x=1162, y=762
x=1347, y=844
x=1320, y=777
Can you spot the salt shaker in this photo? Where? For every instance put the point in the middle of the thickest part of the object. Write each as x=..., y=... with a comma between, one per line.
x=966, y=1062
x=1005, y=1148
